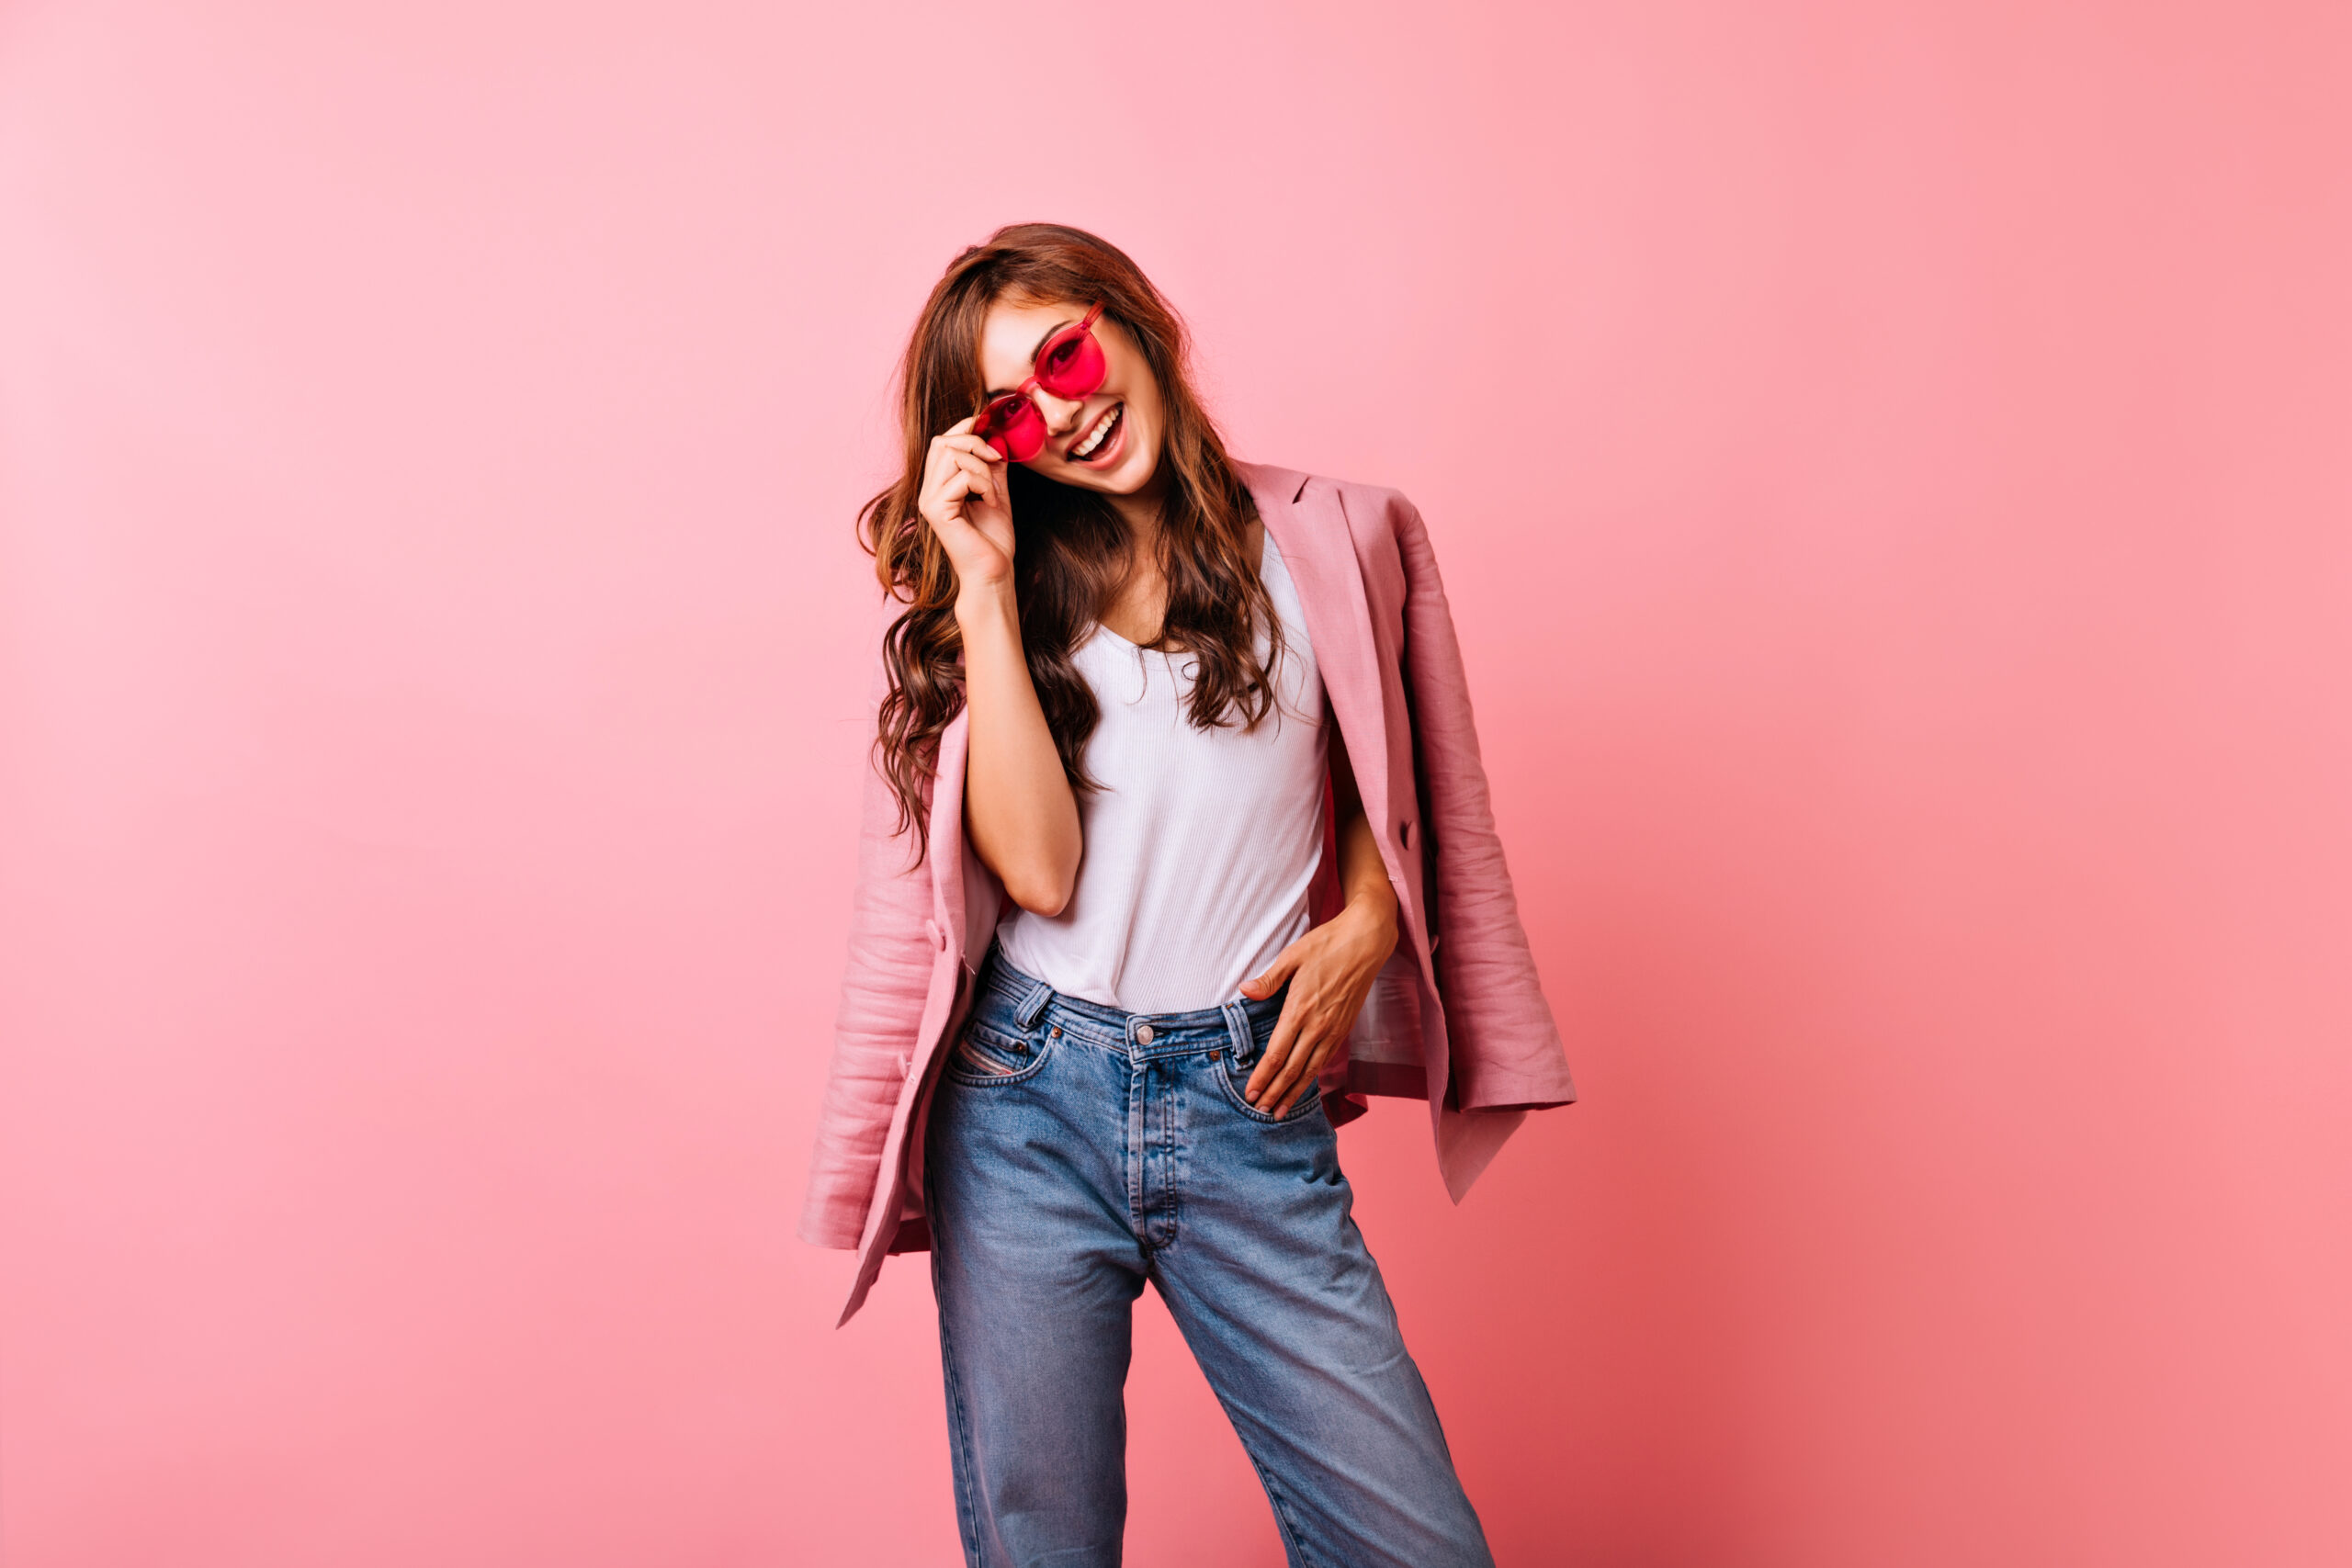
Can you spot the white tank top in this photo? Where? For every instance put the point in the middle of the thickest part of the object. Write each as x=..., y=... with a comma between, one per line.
x=1200, y=845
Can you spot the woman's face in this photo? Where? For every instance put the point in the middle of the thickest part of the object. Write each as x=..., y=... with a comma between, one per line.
x=1108, y=441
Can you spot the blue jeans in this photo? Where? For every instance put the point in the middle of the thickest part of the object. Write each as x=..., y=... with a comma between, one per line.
x=1075, y=1151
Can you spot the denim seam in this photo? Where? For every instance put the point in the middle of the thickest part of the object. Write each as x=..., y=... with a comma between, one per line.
x=1282, y=1519
x=1174, y=1176
x=1135, y=1141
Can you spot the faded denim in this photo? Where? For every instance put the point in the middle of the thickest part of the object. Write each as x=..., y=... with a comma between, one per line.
x=1075, y=1151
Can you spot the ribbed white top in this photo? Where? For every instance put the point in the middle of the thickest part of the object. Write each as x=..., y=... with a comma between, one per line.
x=1201, y=844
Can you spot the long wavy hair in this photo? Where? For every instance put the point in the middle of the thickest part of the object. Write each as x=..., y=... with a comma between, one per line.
x=1070, y=546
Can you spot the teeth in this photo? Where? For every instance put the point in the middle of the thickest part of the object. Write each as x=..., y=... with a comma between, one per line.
x=1096, y=438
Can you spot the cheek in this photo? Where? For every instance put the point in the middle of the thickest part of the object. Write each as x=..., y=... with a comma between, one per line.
x=1143, y=416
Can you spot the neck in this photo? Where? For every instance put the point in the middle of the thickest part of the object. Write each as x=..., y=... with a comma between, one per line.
x=1140, y=511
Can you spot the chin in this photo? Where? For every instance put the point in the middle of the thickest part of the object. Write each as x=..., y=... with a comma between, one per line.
x=1128, y=478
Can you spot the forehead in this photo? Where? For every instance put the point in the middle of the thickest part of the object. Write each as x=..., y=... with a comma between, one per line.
x=1010, y=335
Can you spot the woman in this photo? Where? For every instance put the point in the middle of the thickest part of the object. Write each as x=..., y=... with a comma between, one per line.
x=1176, y=777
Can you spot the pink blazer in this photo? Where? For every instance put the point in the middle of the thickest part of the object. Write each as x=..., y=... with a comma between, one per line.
x=1457, y=1017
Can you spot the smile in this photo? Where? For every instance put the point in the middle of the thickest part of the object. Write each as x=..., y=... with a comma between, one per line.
x=1098, y=440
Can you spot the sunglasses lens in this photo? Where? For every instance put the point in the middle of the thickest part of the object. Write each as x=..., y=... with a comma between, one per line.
x=1014, y=427
x=1071, y=366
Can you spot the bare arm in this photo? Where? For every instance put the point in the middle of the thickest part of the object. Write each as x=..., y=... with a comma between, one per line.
x=1017, y=799
x=1018, y=804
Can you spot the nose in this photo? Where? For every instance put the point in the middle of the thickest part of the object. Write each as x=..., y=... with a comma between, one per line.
x=1061, y=414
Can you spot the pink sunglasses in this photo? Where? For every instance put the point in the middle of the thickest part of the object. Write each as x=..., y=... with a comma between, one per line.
x=1070, y=365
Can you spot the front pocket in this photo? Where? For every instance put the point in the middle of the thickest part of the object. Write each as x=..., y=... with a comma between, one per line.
x=983, y=1052
x=1235, y=1076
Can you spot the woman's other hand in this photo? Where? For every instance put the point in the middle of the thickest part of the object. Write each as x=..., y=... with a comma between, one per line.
x=1330, y=971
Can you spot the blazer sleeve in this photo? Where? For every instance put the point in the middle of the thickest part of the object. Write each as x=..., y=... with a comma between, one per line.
x=884, y=982
x=1504, y=1045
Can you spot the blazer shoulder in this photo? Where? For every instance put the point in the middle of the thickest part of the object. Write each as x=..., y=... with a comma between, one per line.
x=1359, y=499
x=1268, y=482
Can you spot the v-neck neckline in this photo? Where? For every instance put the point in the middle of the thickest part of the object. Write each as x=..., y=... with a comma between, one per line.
x=1265, y=545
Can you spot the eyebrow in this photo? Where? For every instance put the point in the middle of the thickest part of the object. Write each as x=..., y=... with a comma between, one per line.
x=1001, y=391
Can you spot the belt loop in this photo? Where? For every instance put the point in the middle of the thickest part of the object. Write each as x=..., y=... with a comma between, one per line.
x=1236, y=1024
x=1033, y=1006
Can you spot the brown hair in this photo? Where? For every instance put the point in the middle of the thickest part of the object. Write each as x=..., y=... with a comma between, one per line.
x=1071, y=544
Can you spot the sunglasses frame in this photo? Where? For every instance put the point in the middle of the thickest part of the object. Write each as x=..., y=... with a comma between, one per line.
x=995, y=427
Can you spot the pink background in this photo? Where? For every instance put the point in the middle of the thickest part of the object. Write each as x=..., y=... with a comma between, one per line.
x=1890, y=464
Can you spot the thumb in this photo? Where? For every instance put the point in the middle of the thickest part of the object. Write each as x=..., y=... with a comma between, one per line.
x=1284, y=965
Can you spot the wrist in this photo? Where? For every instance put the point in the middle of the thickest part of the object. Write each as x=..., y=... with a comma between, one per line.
x=988, y=602
x=1372, y=909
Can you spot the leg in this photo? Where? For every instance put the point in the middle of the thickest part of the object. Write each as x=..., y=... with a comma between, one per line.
x=1282, y=1303
x=1037, y=1273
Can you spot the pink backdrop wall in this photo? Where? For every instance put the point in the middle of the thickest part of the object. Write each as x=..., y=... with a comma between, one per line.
x=1890, y=465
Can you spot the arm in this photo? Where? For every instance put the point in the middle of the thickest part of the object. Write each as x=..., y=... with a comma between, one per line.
x=1022, y=815
x=1505, y=1047
x=1330, y=969
x=1017, y=799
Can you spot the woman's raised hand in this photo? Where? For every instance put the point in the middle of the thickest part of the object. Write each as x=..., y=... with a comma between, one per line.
x=966, y=501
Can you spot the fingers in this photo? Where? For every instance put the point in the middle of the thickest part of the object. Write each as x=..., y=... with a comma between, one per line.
x=960, y=467
x=1270, y=1065
x=987, y=483
x=1310, y=1068
x=1306, y=1057
x=1286, y=1027
x=956, y=441
x=1302, y=1040
x=982, y=477
x=1327, y=985
x=971, y=443
x=1312, y=1027
x=946, y=456
x=943, y=492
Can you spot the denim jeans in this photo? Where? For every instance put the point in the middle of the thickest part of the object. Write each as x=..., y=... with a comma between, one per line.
x=1075, y=1151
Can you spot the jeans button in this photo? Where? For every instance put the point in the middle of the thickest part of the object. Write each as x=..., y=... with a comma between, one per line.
x=1143, y=1034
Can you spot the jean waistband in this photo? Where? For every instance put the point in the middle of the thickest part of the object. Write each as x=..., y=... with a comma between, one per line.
x=1242, y=1023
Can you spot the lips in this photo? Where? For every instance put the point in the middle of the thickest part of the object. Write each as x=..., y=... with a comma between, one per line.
x=1100, y=437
